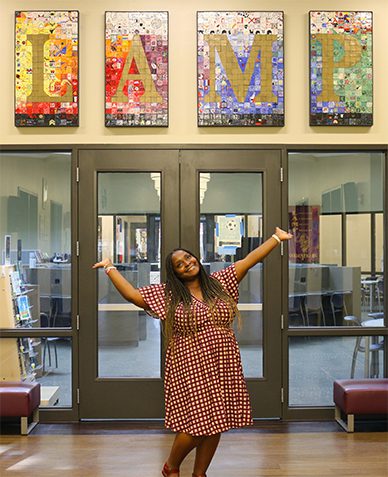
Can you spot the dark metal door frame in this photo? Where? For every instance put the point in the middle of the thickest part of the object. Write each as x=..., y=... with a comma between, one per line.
x=115, y=395
x=265, y=392
x=117, y=398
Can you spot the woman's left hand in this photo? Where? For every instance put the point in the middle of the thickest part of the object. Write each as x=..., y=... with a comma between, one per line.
x=282, y=234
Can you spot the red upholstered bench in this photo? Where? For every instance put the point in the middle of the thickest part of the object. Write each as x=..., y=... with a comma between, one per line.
x=18, y=399
x=359, y=396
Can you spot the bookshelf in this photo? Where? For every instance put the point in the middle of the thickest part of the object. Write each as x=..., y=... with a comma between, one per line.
x=20, y=358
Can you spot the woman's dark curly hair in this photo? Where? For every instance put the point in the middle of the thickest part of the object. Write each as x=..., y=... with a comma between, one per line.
x=177, y=293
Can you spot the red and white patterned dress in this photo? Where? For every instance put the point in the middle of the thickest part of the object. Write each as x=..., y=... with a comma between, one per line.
x=204, y=385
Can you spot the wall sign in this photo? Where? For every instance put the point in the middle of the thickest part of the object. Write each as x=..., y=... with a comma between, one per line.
x=136, y=69
x=240, y=69
x=46, y=68
x=341, y=76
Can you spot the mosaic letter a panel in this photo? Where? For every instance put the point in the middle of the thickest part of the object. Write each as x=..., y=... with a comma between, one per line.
x=240, y=69
x=136, y=69
x=46, y=68
x=341, y=76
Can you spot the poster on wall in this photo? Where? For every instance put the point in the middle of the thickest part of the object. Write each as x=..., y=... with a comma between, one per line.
x=341, y=68
x=229, y=231
x=46, y=68
x=136, y=69
x=240, y=67
x=304, y=225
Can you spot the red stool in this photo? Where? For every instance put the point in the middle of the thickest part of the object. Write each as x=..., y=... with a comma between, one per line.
x=359, y=396
x=19, y=399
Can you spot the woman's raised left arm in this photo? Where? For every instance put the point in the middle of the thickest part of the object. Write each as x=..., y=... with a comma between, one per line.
x=258, y=254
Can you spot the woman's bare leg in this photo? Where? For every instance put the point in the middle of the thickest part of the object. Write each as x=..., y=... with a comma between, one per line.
x=205, y=452
x=183, y=444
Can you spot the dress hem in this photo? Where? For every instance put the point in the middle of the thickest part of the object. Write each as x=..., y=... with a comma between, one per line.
x=222, y=429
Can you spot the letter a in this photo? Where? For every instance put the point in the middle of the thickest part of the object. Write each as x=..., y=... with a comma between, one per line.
x=136, y=53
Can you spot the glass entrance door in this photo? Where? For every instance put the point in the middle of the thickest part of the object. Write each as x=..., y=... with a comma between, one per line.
x=128, y=212
x=230, y=204
x=136, y=206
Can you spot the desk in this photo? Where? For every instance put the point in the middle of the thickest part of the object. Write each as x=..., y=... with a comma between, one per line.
x=373, y=347
x=324, y=298
x=378, y=323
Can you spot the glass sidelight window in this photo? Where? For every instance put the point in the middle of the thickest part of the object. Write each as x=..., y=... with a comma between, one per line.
x=129, y=233
x=316, y=361
x=35, y=271
x=35, y=232
x=231, y=222
x=336, y=275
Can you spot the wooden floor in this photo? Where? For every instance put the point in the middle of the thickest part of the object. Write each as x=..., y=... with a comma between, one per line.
x=292, y=450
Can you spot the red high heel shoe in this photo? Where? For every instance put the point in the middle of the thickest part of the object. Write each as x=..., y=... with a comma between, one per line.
x=166, y=471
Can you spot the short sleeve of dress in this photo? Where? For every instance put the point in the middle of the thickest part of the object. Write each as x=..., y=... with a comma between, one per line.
x=228, y=279
x=154, y=296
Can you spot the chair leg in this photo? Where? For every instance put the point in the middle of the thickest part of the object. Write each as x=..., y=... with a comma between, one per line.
x=333, y=313
x=323, y=315
x=354, y=358
x=56, y=355
x=49, y=351
x=302, y=314
x=350, y=420
x=25, y=429
x=349, y=424
x=367, y=369
x=44, y=354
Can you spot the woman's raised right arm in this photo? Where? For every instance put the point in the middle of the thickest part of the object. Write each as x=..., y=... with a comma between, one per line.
x=126, y=290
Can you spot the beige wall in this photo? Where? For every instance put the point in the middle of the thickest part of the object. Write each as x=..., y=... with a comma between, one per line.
x=183, y=129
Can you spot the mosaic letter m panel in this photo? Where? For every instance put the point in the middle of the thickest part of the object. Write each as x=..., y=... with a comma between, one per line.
x=240, y=69
x=341, y=76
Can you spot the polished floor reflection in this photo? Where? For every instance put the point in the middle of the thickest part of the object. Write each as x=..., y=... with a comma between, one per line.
x=271, y=449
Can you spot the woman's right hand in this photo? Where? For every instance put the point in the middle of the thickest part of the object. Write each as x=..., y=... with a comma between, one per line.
x=126, y=289
x=106, y=262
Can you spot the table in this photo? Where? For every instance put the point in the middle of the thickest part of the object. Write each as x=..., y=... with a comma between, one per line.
x=49, y=396
x=373, y=370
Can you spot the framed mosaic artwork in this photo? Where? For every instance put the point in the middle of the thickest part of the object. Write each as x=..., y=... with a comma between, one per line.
x=136, y=69
x=341, y=68
x=46, y=68
x=240, y=68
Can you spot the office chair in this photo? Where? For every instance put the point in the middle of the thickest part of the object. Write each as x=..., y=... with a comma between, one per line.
x=47, y=341
x=295, y=308
x=337, y=304
x=359, y=347
x=313, y=305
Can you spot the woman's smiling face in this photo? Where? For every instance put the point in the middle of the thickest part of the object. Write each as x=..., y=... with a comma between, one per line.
x=186, y=267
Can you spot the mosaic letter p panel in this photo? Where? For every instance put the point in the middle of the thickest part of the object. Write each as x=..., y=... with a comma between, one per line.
x=46, y=68
x=341, y=76
x=136, y=69
x=240, y=69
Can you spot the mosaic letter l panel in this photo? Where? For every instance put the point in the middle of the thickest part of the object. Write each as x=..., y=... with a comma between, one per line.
x=46, y=68
x=136, y=69
x=341, y=76
x=240, y=69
